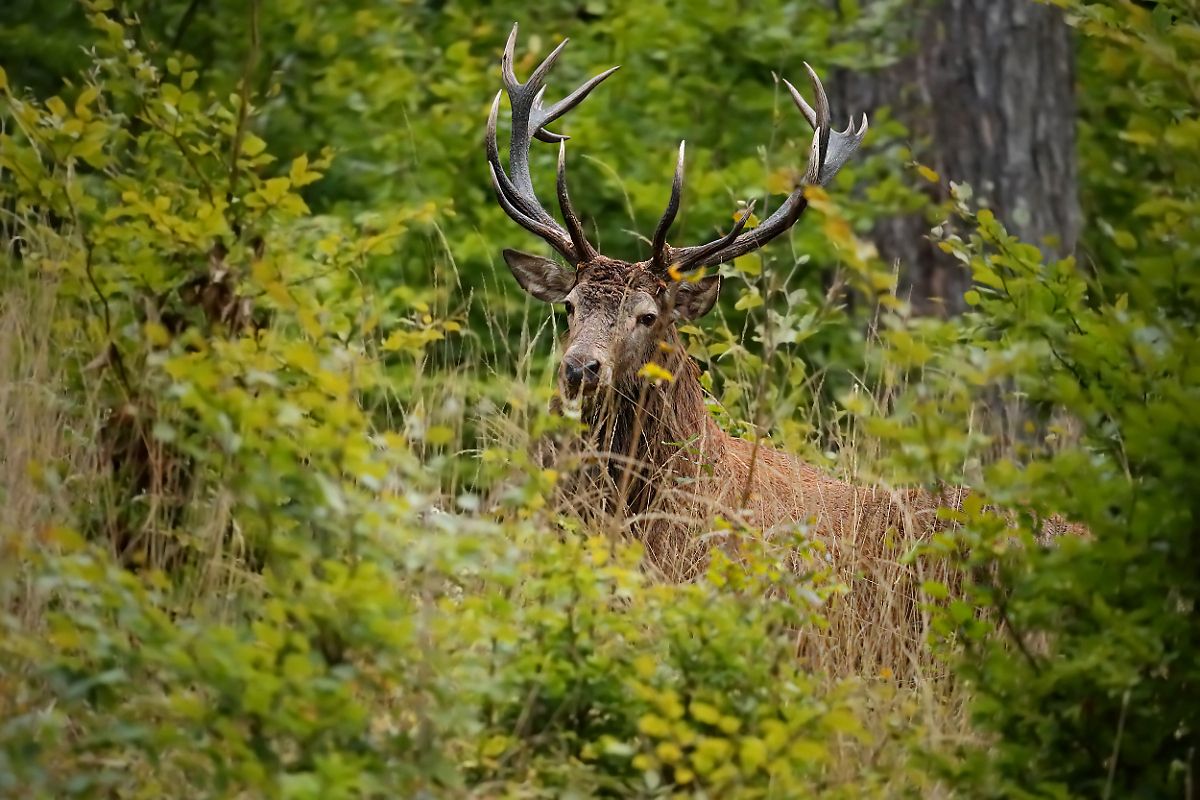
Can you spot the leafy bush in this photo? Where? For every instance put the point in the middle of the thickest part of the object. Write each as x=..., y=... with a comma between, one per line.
x=1090, y=688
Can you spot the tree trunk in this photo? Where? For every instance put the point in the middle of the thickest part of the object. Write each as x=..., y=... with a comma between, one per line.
x=988, y=97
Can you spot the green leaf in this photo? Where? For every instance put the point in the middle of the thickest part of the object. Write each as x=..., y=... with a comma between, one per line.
x=1125, y=240
x=935, y=589
x=252, y=145
x=751, y=264
x=439, y=435
x=57, y=107
x=654, y=726
x=753, y=753
x=750, y=299
x=703, y=712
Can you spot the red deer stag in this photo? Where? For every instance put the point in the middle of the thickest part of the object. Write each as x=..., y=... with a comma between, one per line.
x=660, y=463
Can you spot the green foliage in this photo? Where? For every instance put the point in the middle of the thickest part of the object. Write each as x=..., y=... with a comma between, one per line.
x=1138, y=142
x=1090, y=688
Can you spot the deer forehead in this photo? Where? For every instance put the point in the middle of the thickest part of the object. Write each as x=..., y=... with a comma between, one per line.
x=615, y=285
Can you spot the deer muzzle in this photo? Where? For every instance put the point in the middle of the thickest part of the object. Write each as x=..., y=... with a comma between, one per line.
x=581, y=371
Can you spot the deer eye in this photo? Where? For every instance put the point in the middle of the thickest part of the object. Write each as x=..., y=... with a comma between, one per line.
x=648, y=319
x=570, y=308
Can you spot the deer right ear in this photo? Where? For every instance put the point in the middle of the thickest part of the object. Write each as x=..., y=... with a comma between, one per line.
x=694, y=300
x=545, y=279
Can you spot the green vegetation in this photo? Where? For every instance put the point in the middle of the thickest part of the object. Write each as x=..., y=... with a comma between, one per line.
x=269, y=525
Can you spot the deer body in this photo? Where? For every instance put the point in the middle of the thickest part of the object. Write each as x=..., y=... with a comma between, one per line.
x=657, y=463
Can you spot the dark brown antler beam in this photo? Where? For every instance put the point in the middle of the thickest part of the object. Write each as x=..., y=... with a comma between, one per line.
x=830, y=150
x=529, y=118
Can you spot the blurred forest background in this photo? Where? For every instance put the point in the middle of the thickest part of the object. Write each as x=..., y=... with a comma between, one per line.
x=268, y=522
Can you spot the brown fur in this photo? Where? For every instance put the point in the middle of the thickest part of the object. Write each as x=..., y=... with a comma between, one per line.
x=655, y=462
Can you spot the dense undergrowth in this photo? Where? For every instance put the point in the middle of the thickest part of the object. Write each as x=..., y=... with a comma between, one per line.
x=270, y=526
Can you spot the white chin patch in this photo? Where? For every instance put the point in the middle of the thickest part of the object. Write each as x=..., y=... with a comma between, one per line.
x=572, y=407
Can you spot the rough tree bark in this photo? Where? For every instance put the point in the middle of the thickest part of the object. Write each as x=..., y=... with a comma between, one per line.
x=988, y=96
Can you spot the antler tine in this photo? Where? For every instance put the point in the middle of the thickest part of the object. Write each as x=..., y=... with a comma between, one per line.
x=821, y=102
x=661, y=260
x=570, y=101
x=506, y=63
x=691, y=259
x=538, y=78
x=842, y=145
x=830, y=150
x=529, y=224
x=529, y=119
x=583, y=247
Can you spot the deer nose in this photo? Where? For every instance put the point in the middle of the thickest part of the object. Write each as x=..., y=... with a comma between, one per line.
x=581, y=370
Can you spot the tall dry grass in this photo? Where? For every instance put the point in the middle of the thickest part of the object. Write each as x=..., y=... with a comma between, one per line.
x=43, y=456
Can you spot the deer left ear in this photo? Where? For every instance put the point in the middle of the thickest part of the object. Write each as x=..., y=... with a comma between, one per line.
x=546, y=280
x=694, y=300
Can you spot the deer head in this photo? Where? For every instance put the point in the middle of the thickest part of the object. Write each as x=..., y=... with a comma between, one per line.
x=622, y=314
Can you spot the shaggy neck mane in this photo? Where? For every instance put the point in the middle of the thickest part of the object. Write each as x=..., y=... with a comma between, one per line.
x=643, y=429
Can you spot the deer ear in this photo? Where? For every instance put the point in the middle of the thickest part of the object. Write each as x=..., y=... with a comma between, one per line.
x=543, y=278
x=694, y=300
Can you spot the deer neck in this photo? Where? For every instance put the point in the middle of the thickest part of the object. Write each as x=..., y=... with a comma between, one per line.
x=653, y=425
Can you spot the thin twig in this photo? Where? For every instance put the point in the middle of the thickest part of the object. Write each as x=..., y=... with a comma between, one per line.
x=244, y=103
x=1112, y=764
x=184, y=23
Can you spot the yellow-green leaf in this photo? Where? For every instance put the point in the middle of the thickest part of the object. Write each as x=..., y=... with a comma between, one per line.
x=751, y=264
x=57, y=107
x=752, y=222
x=252, y=145
x=494, y=746
x=935, y=589
x=655, y=726
x=157, y=335
x=645, y=665
x=85, y=99
x=808, y=750
x=1125, y=240
x=703, y=712
x=750, y=299
x=300, y=173
x=655, y=373
x=668, y=752
x=1144, y=138
x=928, y=174
x=842, y=721
x=273, y=189
x=753, y=753
x=780, y=181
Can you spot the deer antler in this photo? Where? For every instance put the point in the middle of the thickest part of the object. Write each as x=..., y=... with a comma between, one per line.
x=830, y=149
x=529, y=119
